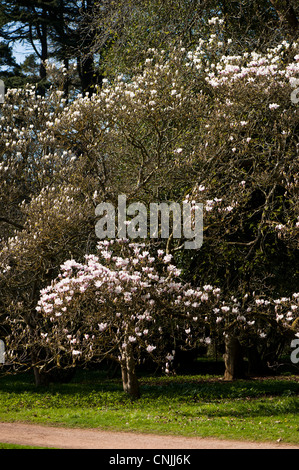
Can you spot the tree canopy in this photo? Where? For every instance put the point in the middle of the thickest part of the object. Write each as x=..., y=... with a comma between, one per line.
x=193, y=106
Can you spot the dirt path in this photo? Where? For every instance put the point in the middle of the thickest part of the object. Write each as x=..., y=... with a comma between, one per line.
x=65, y=438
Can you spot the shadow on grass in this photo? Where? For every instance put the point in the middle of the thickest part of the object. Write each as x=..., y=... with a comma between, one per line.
x=193, y=388
x=92, y=393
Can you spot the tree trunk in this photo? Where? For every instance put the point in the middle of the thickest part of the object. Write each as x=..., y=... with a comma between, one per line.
x=129, y=378
x=41, y=379
x=66, y=84
x=43, y=37
x=86, y=74
x=233, y=359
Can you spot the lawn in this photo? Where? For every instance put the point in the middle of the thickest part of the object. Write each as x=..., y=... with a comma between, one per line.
x=187, y=405
x=16, y=446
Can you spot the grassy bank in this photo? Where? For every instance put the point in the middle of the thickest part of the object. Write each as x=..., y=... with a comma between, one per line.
x=257, y=409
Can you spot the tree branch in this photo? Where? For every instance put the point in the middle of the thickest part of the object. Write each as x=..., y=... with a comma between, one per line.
x=287, y=14
x=10, y=222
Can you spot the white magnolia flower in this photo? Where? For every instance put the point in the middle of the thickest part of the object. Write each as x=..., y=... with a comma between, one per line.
x=75, y=352
x=132, y=339
x=273, y=106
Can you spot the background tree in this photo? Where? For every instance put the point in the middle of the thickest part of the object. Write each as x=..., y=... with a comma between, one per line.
x=133, y=27
x=35, y=188
x=10, y=72
x=54, y=29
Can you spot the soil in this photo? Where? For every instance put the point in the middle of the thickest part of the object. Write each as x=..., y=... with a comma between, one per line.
x=76, y=438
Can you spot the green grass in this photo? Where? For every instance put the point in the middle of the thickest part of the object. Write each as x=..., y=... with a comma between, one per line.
x=16, y=446
x=257, y=410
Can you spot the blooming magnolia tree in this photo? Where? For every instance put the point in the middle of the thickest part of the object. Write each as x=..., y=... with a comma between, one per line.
x=203, y=125
x=248, y=174
x=45, y=215
x=123, y=304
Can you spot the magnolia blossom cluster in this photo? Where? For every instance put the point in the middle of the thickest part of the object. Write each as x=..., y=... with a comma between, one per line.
x=30, y=158
x=256, y=317
x=216, y=203
x=258, y=85
x=135, y=300
x=144, y=92
x=284, y=311
x=228, y=69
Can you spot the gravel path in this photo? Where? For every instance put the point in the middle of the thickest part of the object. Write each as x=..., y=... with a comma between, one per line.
x=65, y=438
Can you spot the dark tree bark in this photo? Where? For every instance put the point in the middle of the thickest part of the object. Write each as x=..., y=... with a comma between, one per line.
x=87, y=74
x=129, y=378
x=233, y=359
x=41, y=380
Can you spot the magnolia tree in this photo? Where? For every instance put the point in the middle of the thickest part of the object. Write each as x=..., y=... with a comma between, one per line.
x=56, y=226
x=202, y=125
x=248, y=175
x=58, y=160
x=45, y=215
x=124, y=304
